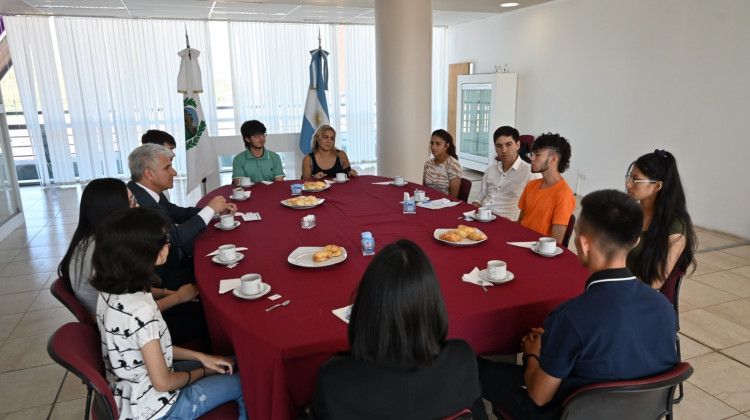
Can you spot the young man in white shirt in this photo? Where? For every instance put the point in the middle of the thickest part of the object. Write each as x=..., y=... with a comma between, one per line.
x=505, y=180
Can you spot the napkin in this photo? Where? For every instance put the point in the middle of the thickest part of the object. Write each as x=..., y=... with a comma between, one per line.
x=228, y=285
x=471, y=214
x=523, y=244
x=438, y=204
x=267, y=182
x=473, y=278
x=328, y=181
x=248, y=217
x=382, y=183
x=343, y=313
x=239, y=248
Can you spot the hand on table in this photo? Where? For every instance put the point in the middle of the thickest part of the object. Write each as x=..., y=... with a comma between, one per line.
x=231, y=208
x=187, y=292
x=218, y=204
x=320, y=175
x=352, y=173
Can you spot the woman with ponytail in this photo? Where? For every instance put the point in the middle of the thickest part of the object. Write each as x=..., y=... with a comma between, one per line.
x=668, y=239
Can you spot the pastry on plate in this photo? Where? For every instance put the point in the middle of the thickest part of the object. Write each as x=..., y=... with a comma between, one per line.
x=302, y=201
x=314, y=185
x=328, y=252
x=451, y=236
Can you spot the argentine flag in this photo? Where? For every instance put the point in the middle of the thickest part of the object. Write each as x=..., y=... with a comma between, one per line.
x=316, y=107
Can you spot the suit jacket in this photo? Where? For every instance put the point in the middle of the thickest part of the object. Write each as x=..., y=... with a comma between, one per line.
x=186, y=225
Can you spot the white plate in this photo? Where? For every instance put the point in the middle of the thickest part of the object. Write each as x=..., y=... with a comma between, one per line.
x=508, y=277
x=462, y=242
x=303, y=257
x=264, y=289
x=237, y=259
x=399, y=185
x=320, y=201
x=557, y=252
x=238, y=199
x=475, y=216
x=219, y=226
x=316, y=189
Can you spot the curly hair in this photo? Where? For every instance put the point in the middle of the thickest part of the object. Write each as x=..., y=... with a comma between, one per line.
x=557, y=144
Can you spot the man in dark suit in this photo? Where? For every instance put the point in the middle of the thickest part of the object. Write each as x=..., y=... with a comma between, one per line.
x=151, y=174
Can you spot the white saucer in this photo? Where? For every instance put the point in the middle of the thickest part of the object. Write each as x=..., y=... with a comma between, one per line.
x=264, y=289
x=341, y=182
x=218, y=260
x=246, y=186
x=399, y=185
x=475, y=216
x=238, y=199
x=508, y=277
x=557, y=252
x=218, y=225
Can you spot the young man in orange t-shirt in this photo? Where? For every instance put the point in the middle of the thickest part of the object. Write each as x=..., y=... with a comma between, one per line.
x=546, y=204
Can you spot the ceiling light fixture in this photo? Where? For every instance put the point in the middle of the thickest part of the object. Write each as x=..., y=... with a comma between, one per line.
x=508, y=4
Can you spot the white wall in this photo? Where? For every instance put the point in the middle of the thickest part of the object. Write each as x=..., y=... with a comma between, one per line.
x=620, y=78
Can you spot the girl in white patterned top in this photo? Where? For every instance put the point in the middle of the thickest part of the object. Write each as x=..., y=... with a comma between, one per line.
x=136, y=345
x=443, y=172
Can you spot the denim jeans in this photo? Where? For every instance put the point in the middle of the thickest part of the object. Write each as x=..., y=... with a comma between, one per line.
x=206, y=394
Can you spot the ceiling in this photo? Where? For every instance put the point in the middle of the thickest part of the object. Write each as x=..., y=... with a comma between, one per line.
x=445, y=12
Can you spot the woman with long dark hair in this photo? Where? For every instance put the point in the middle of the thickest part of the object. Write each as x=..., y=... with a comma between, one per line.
x=443, y=172
x=668, y=239
x=401, y=365
x=136, y=343
x=100, y=198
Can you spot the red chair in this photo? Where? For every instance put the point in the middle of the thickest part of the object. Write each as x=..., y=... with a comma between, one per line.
x=63, y=292
x=647, y=398
x=526, y=141
x=464, y=190
x=671, y=290
x=569, y=231
x=77, y=347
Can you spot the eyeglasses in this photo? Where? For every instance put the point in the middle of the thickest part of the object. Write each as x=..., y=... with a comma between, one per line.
x=629, y=179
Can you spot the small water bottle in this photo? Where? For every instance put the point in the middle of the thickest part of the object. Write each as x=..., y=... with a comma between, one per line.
x=368, y=244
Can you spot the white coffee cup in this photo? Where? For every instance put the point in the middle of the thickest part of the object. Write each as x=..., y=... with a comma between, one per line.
x=398, y=180
x=238, y=193
x=227, y=220
x=340, y=177
x=250, y=284
x=484, y=213
x=245, y=181
x=419, y=195
x=227, y=253
x=497, y=270
x=546, y=245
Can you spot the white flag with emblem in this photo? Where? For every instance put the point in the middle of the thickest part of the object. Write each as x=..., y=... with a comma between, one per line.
x=200, y=159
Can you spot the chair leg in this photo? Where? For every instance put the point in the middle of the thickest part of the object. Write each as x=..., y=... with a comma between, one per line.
x=88, y=404
x=681, y=393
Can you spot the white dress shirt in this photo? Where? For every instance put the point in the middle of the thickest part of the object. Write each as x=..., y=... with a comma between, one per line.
x=501, y=190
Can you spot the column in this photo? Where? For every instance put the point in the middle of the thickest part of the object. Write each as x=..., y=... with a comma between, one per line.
x=403, y=36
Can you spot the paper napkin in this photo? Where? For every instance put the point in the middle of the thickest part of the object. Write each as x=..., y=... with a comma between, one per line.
x=438, y=204
x=382, y=183
x=343, y=313
x=473, y=278
x=523, y=244
x=228, y=285
x=249, y=217
x=267, y=182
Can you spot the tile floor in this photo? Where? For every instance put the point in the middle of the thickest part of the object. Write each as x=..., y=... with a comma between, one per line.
x=714, y=306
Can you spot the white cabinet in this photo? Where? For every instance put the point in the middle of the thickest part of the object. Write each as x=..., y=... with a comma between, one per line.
x=485, y=102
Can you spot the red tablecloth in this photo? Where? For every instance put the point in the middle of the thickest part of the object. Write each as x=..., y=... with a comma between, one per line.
x=280, y=351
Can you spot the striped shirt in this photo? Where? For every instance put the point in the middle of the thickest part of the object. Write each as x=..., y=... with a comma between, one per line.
x=439, y=176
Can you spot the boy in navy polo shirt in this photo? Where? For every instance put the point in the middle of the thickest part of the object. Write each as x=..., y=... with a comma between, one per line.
x=617, y=329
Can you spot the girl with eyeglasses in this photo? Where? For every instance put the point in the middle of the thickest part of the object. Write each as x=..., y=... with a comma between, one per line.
x=668, y=239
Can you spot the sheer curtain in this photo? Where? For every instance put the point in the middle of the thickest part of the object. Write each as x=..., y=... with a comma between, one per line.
x=120, y=79
x=31, y=47
x=270, y=76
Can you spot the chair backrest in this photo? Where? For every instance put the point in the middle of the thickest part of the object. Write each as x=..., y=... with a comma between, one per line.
x=77, y=348
x=62, y=290
x=464, y=190
x=569, y=231
x=526, y=141
x=671, y=287
x=646, y=398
